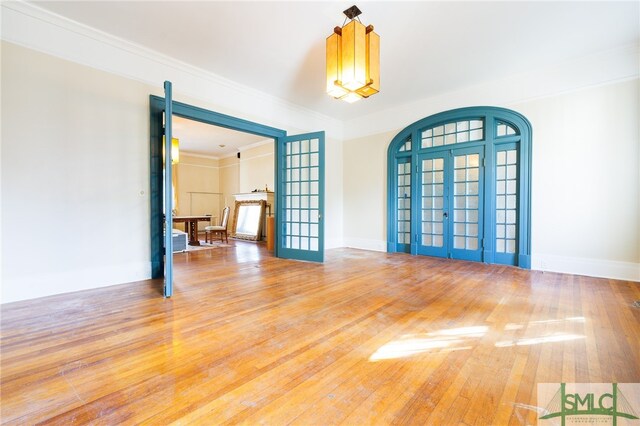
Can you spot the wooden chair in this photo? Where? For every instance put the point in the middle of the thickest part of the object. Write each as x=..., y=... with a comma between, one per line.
x=210, y=231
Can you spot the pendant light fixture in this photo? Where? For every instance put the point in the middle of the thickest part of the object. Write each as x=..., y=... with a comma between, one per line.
x=353, y=59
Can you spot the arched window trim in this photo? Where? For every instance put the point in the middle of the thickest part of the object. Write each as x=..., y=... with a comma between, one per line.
x=489, y=115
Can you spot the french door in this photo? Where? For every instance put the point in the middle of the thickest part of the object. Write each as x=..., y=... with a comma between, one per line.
x=450, y=209
x=300, y=168
x=459, y=186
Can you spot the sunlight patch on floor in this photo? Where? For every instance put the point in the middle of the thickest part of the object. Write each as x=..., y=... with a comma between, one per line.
x=459, y=338
x=434, y=341
x=411, y=345
x=554, y=338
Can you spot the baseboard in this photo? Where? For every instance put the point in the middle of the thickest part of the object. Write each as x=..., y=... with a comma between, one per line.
x=627, y=271
x=331, y=243
x=25, y=287
x=366, y=244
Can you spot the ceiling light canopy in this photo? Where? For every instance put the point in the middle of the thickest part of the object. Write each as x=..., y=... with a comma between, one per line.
x=353, y=60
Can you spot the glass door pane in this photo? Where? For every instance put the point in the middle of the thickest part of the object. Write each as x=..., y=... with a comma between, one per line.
x=433, y=213
x=506, y=204
x=467, y=204
x=403, y=207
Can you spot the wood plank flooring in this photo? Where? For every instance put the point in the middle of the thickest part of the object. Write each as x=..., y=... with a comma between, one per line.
x=366, y=338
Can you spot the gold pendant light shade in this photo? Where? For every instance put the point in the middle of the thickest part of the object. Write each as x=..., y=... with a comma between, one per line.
x=353, y=61
x=334, y=71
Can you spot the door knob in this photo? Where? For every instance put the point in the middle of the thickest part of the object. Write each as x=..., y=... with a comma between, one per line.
x=445, y=215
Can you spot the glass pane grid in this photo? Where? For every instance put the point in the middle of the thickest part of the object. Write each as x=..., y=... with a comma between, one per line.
x=432, y=197
x=506, y=201
x=406, y=146
x=504, y=129
x=403, y=209
x=466, y=201
x=301, y=198
x=452, y=133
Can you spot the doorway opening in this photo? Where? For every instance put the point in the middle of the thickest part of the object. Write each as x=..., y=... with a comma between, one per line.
x=299, y=184
x=200, y=115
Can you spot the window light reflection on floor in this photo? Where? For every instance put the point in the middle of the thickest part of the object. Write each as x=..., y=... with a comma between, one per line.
x=415, y=345
x=435, y=341
x=453, y=339
x=537, y=340
x=555, y=321
x=474, y=331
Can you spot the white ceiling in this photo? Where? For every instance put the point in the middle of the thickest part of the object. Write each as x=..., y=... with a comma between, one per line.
x=427, y=48
x=205, y=139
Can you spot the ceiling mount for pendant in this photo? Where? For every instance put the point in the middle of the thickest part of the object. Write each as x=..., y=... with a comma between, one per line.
x=352, y=12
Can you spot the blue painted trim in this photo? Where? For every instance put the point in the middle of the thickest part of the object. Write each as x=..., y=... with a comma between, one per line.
x=490, y=142
x=524, y=261
x=156, y=110
x=168, y=191
x=488, y=249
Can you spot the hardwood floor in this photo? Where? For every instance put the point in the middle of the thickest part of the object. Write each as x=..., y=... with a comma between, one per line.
x=364, y=338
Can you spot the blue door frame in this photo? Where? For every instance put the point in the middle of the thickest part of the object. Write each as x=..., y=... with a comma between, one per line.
x=156, y=109
x=491, y=142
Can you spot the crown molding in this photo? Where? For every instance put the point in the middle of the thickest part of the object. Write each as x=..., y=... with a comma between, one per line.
x=202, y=166
x=242, y=160
x=605, y=67
x=30, y=26
x=233, y=155
x=193, y=154
x=256, y=145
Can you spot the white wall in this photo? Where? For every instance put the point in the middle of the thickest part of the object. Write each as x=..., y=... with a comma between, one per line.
x=75, y=159
x=334, y=194
x=75, y=176
x=229, y=179
x=365, y=190
x=257, y=167
x=586, y=181
x=198, y=186
x=585, y=189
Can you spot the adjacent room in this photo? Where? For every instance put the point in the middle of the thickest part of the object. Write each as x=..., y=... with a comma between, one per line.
x=215, y=171
x=320, y=213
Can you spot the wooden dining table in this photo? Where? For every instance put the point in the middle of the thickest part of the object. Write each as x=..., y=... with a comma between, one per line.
x=191, y=226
